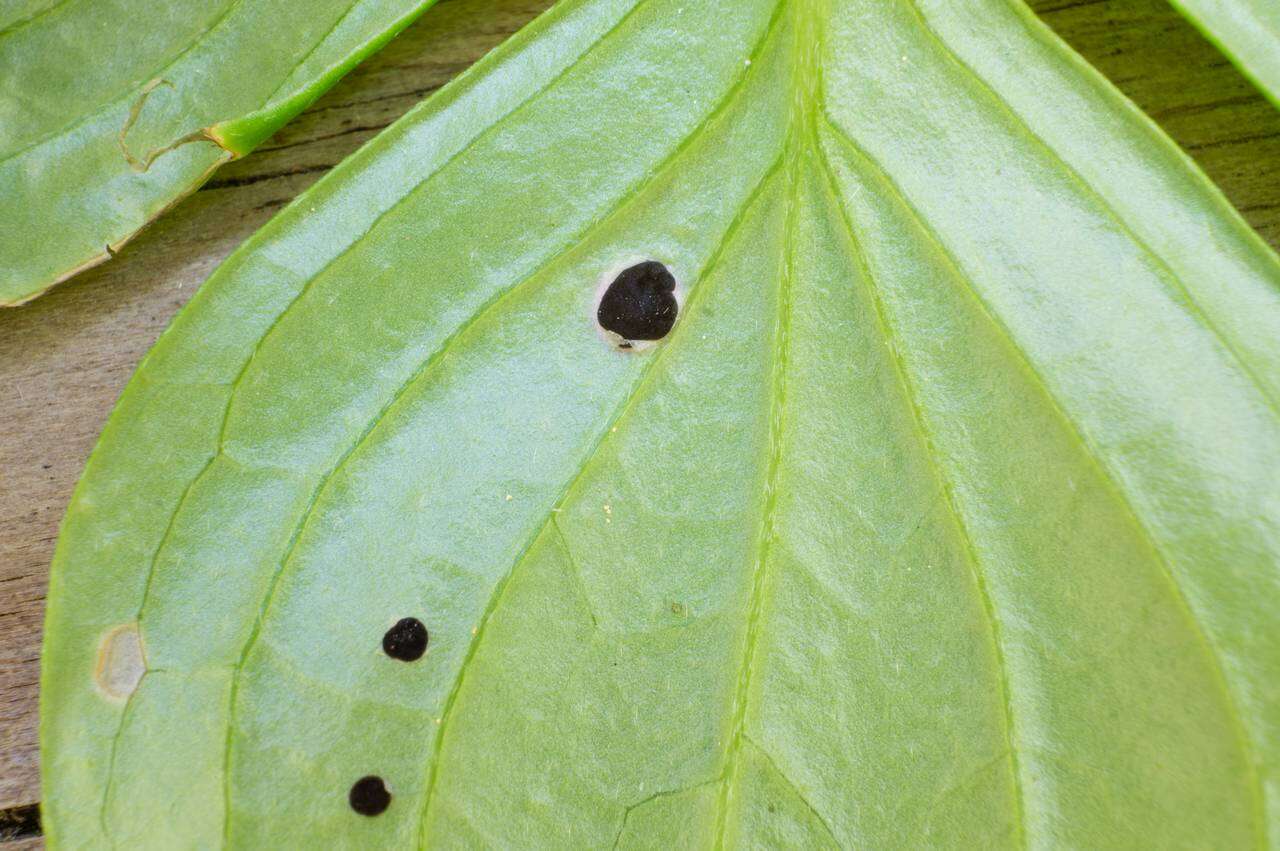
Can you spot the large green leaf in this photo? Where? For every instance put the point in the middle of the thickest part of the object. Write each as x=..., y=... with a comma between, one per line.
x=112, y=110
x=1248, y=31
x=947, y=514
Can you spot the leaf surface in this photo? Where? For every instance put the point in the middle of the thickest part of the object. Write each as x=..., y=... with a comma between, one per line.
x=946, y=514
x=1247, y=31
x=113, y=110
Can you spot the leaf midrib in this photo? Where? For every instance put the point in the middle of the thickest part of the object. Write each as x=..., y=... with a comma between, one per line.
x=756, y=603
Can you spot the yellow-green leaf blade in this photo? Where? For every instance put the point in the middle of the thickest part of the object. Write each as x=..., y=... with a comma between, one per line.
x=945, y=515
x=1247, y=31
x=112, y=111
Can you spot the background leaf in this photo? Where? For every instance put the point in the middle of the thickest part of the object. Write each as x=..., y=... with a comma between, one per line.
x=946, y=513
x=112, y=111
x=1247, y=31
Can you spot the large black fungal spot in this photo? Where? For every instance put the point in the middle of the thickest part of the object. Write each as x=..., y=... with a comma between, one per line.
x=369, y=796
x=406, y=641
x=640, y=304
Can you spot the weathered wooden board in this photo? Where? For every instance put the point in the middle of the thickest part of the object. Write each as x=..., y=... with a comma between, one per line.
x=65, y=357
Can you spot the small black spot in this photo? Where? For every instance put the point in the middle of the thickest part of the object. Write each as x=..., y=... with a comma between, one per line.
x=640, y=304
x=406, y=641
x=369, y=796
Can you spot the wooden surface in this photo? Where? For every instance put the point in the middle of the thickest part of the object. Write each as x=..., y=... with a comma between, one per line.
x=65, y=357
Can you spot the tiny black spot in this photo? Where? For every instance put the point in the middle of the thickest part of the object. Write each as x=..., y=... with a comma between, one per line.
x=369, y=796
x=406, y=641
x=640, y=304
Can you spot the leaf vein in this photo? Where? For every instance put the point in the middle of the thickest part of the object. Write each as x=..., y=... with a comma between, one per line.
x=791, y=784
x=628, y=199
x=358, y=240
x=22, y=23
x=310, y=51
x=117, y=98
x=932, y=455
x=1165, y=270
x=616, y=420
x=1091, y=454
x=765, y=534
x=254, y=352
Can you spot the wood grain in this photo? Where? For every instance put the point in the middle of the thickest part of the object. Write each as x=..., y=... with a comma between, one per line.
x=65, y=357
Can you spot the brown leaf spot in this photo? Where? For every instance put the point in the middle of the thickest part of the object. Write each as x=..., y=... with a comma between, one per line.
x=121, y=662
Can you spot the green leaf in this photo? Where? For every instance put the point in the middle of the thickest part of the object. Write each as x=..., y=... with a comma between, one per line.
x=1247, y=31
x=113, y=110
x=947, y=514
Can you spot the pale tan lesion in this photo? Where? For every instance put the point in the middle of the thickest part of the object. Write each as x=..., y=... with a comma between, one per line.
x=121, y=662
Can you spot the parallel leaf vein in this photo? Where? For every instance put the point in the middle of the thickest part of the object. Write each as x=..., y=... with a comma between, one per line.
x=1088, y=451
x=1166, y=271
x=628, y=198
x=219, y=450
x=615, y=422
x=932, y=456
x=766, y=533
x=119, y=97
x=21, y=23
x=319, y=42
